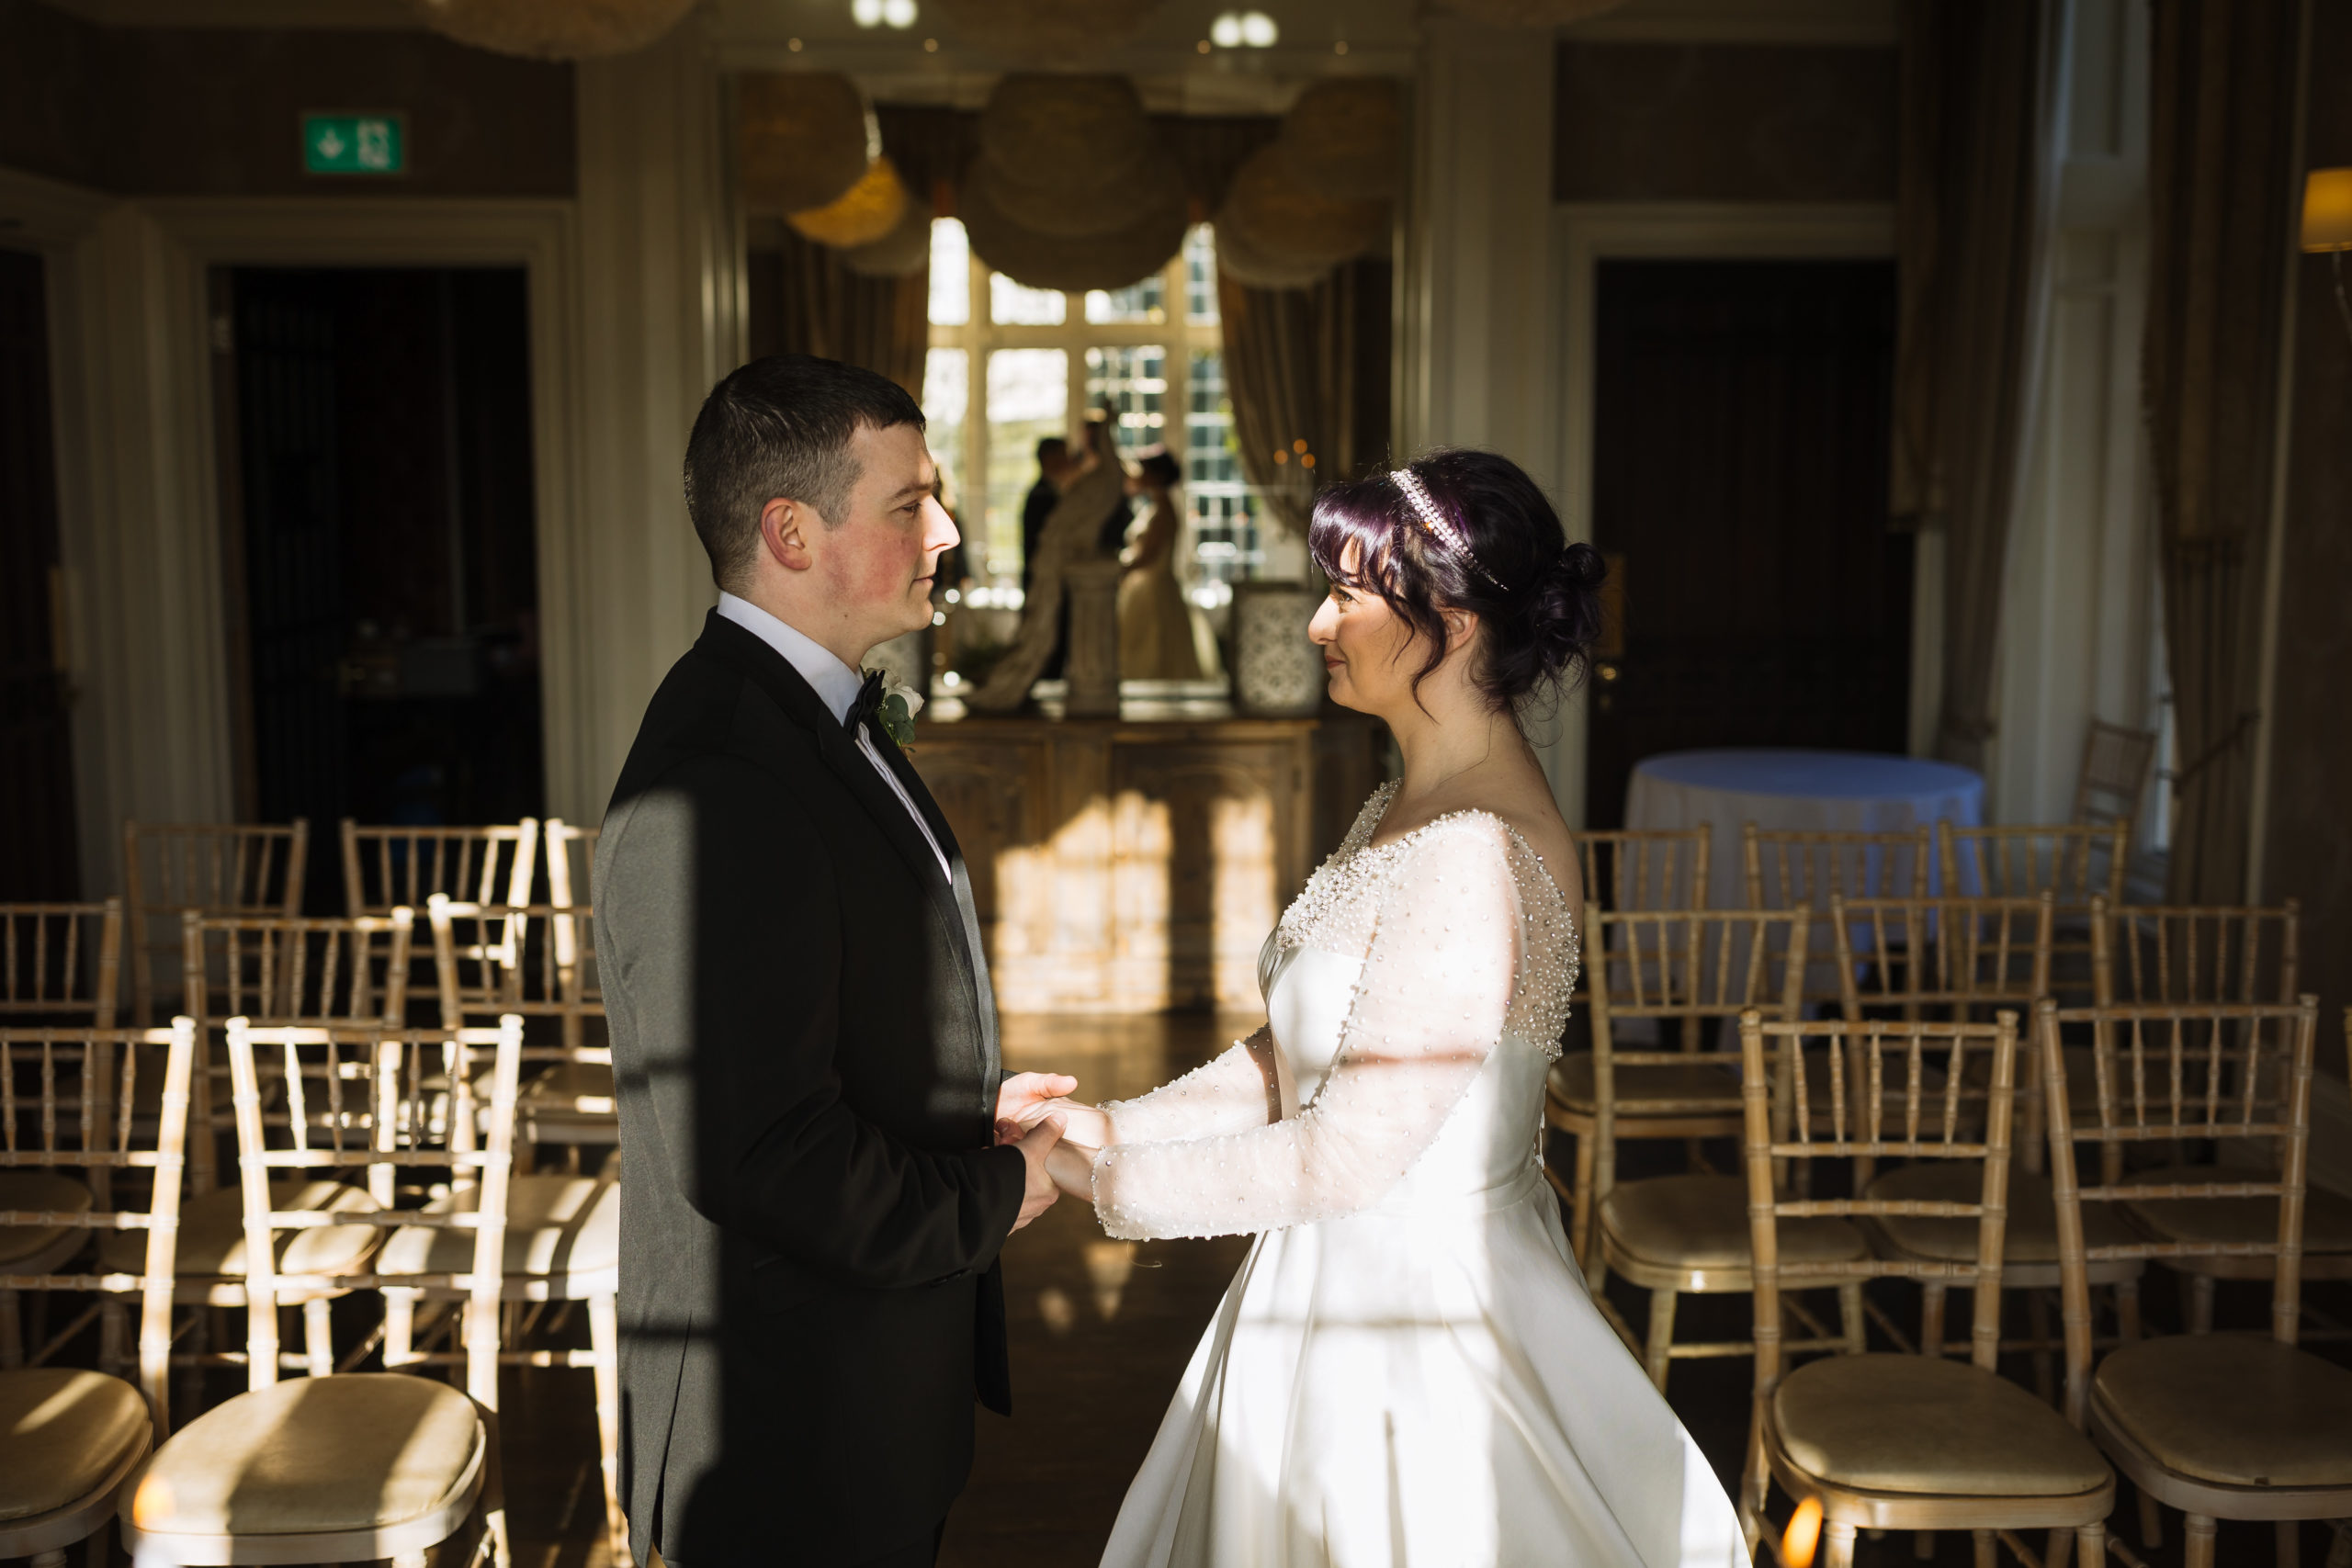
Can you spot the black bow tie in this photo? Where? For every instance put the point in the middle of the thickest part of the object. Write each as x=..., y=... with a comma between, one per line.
x=868, y=703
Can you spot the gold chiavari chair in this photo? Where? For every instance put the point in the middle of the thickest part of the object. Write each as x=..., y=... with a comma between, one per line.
x=211, y=868
x=70, y=1440
x=1677, y=1235
x=345, y=1467
x=2071, y=862
x=2219, y=1426
x=1631, y=868
x=1788, y=869
x=387, y=867
x=61, y=962
x=1898, y=1442
x=2151, y=954
x=564, y=1226
x=2115, y=770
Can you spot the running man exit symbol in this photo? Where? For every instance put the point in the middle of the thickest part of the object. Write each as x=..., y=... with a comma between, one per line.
x=353, y=144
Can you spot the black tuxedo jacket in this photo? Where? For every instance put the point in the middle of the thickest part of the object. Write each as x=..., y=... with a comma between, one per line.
x=804, y=1042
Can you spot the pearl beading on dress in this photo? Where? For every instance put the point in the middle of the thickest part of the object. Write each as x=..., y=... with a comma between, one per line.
x=1464, y=939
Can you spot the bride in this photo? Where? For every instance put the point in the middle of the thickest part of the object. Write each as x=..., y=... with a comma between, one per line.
x=1408, y=1368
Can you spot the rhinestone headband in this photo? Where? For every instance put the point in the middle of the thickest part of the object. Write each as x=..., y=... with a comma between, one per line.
x=1433, y=523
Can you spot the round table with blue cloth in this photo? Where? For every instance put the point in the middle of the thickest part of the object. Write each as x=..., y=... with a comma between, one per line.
x=1854, y=792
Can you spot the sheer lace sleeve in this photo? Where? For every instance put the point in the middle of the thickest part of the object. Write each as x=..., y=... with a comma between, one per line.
x=1232, y=1093
x=1432, y=1001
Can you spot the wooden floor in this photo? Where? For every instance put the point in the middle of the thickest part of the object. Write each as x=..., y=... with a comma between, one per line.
x=1101, y=1331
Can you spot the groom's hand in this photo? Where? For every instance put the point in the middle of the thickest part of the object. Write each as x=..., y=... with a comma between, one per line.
x=1021, y=1100
x=1038, y=1195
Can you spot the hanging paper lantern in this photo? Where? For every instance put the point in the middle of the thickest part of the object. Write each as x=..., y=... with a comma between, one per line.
x=1062, y=130
x=1289, y=224
x=1041, y=260
x=862, y=214
x=803, y=139
x=553, y=30
x=903, y=251
x=1345, y=137
x=1047, y=29
x=1530, y=13
x=1082, y=212
x=1239, y=259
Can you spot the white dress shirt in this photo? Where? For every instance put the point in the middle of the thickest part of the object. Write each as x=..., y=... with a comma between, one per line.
x=836, y=685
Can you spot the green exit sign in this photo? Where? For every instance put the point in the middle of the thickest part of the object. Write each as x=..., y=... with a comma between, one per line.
x=354, y=143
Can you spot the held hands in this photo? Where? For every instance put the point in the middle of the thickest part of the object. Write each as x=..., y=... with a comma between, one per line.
x=1034, y=1114
x=1071, y=1167
x=1039, y=1191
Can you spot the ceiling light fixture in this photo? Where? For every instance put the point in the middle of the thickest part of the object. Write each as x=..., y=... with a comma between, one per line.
x=1244, y=29
x=899, y=15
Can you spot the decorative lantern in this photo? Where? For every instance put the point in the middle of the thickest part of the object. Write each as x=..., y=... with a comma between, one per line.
x=553, y=30
x=1285, y=227
x=1239, y=258
x=803, y=139
x=864, y=214
x=904, y=251
x=1041, y=261
x=1345, y=137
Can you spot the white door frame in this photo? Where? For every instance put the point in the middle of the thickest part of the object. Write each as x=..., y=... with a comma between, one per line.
x=140, y=479
x=1584, y=233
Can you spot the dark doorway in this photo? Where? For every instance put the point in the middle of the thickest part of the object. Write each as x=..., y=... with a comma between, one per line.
x=1739, y=487
x=380, y=463
x=37, y=845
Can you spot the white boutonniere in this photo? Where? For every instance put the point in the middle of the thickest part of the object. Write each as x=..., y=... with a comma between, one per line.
x=900, y=702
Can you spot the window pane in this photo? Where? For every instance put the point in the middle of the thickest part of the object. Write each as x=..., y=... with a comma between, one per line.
x=951, y=275
x=1141, y=302
x=1011, y=304
x=1199, y=274
x=946, y=395
x=1223, y=513
x=1133, y=384
x=1028, y=400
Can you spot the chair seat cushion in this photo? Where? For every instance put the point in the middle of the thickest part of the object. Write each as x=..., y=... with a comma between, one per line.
x=361, y=1450
x=45, y=1191
x=1923, y=1423
x=1571, y=1084
x=2328, y=1218
x=1700, y=1221
x=62, y=1431
x=2030, y=1237
x=555, y=1224
x=213, y=1233
x=2240, y=1409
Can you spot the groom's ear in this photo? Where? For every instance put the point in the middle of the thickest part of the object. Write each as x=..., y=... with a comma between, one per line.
x=785, y=528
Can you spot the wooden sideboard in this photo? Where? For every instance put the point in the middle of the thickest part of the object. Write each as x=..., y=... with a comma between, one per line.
x=1124, y=866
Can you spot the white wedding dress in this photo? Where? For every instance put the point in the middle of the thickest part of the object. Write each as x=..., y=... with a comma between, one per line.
x=1408, y=1369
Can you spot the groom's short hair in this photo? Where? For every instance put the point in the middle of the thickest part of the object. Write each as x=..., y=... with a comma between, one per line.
x=780, y=427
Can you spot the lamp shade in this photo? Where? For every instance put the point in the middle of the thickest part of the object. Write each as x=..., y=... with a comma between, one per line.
x=2327, y=210
x=863, y=215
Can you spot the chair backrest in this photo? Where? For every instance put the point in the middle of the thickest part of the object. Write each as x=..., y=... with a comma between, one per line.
x=566, y=890
x=1694, y=965
x=61, y=962
x=354, y=1125
x=80, y=1117
x=2115, y=771
x=1663, y=868
x=273, y=969
x=1867, y=1066
x=214, y=868
x=498, y=958
x=2177, y=953
x=2072, y=861
x=1787, y=869
x=1952, y=955
x=385, y=867
x=2228, y=1073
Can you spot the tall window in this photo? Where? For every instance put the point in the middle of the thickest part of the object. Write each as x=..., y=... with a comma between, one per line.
x=1010, y=366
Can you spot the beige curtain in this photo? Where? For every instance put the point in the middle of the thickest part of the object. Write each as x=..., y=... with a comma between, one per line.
x=1983, y=85
x=2220, y=201
x=1308, y=366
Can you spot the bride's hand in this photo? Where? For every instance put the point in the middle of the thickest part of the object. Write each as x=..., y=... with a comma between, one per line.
x=1080, y=1123
x=1071, y=1166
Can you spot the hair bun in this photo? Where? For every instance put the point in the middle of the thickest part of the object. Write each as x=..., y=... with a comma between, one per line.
x=1580, y=566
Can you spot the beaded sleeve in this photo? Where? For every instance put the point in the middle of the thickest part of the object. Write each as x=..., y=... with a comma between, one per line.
x=1445, y=975
x=1231, y=1093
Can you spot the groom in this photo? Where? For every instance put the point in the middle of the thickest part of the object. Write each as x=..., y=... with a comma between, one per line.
x=804, y=1038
